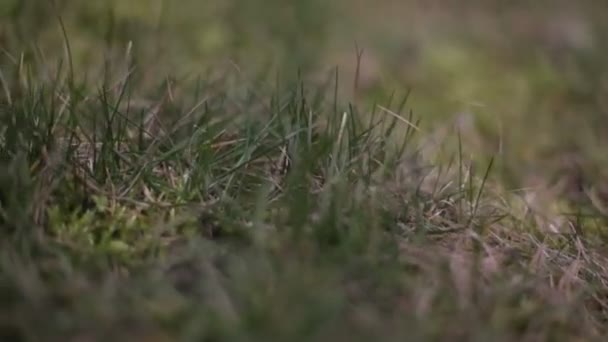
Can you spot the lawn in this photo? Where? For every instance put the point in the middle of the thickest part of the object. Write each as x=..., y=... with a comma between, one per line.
x=303, y=171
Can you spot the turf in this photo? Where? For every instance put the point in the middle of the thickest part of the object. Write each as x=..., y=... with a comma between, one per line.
x=225, y=206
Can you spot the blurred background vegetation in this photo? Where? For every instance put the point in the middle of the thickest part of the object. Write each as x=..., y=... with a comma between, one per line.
x=524, y=81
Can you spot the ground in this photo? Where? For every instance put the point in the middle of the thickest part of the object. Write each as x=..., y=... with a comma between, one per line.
x=233, y=170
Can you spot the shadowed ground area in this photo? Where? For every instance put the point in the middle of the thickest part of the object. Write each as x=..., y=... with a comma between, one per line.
x=291, y=170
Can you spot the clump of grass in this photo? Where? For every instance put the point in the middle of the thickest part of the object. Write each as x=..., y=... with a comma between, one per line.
x=235, y=214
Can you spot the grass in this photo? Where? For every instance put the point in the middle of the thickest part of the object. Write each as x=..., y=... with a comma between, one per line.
x=230, y=207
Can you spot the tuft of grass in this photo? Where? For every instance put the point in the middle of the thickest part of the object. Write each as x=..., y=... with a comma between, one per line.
x=243, y=211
